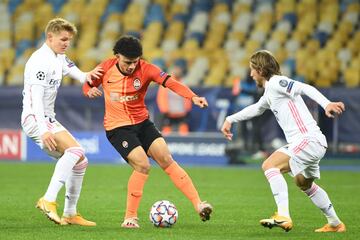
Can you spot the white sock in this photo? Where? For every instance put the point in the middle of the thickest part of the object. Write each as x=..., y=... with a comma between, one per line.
x=320, y=198
x=279, y=189
x=73, y=188
x=62, y=171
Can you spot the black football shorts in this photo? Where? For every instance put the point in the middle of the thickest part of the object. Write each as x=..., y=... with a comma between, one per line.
x=125, y=139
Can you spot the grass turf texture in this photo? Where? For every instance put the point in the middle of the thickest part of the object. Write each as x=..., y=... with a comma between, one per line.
x=241, y=197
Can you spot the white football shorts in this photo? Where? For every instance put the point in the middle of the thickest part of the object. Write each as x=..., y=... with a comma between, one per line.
x=305, y=155
x=31, y=129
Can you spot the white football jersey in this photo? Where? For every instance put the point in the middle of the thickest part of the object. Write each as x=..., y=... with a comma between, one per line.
x=46, y=69
x=283, y=97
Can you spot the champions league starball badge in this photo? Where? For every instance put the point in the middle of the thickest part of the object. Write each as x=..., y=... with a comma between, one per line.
x=283, y=83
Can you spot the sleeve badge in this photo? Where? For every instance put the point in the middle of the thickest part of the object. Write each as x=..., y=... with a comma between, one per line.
x=283, y=83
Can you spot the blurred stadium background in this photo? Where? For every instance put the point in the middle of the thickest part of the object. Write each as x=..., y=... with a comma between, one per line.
x=316, y=41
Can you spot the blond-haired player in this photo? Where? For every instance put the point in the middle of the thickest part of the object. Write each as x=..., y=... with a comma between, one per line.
x=306, y=143
x=42, y=78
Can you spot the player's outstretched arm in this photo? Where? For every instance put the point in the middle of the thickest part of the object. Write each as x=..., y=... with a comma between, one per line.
x=200, y=101
x=94, y=74
x=93, y=80
x=334, y=108
x=225, y=129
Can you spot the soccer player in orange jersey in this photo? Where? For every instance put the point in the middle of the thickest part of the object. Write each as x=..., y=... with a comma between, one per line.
x=128, y=128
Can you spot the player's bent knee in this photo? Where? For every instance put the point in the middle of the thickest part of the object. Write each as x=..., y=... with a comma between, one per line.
x=303, y=187
x=165, y=160
x=302, y=183
x=266, y=165
x=77, y=152
x=143, y=167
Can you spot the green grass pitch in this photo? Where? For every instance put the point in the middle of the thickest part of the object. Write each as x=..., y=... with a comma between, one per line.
x=240, y=196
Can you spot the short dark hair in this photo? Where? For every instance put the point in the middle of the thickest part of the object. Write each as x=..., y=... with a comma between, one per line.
x=128, y=46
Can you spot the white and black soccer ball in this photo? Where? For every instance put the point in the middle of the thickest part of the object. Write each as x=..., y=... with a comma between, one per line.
x=163, y=214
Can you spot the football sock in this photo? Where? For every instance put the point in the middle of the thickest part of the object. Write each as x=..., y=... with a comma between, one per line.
x=279, y=189
x=62, y=171
x=73, y=187
x=320, y=198
x=184, y=183
x=135, y=189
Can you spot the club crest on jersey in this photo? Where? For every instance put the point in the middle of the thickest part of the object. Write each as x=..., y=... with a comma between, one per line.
x=137, y=83
x=283, y=83
x=125, y=144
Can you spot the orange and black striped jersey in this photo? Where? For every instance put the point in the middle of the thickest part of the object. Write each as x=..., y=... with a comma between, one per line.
x=125, y=94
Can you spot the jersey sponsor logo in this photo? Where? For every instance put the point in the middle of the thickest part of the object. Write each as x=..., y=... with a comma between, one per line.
x=115, y=97
x=125, y=144
x=290, y=86
x=137, y=83
x=69, y=62
x=54, y=82
x=283, y=83
x=40, y=75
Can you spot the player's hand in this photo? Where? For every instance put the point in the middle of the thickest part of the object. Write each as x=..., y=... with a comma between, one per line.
x=200, y=101
x=334, y=108
x=94, y=92
x=49, y=141
x=96, y=73
x=225, y=129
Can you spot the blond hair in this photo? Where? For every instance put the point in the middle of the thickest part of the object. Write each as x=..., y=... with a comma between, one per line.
x=57, y=25
x=265, y=63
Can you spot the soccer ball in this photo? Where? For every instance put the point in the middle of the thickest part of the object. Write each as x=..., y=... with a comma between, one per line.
x=163, y=214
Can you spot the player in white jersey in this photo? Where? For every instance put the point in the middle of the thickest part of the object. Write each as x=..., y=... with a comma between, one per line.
x=42, y=78
x=306, y=143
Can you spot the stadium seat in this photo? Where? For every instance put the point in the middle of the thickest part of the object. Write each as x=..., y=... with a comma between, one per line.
x=352, y=77
x=154, y=14
x=296, y=31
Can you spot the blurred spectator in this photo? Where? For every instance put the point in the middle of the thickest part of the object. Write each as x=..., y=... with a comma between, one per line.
x=174, y=108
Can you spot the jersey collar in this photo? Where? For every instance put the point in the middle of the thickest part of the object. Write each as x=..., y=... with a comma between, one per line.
x=49, y=50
